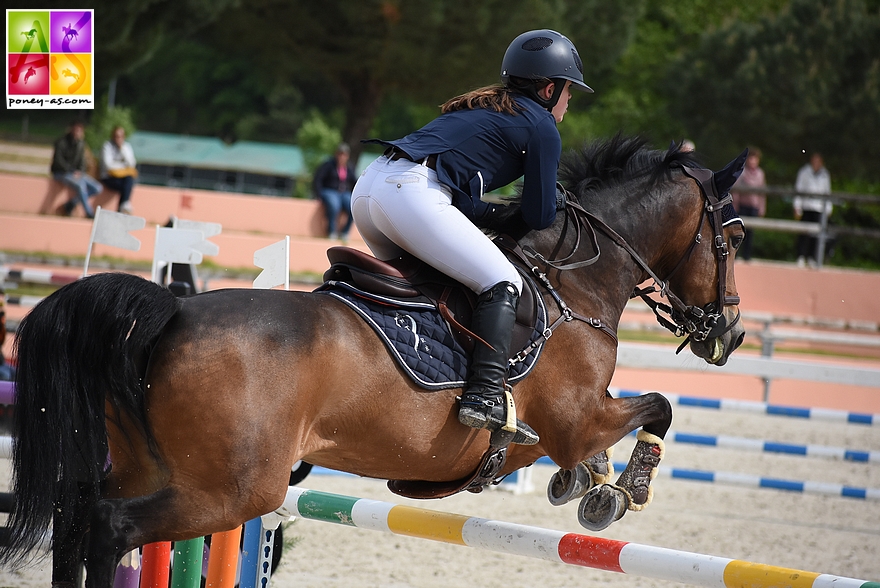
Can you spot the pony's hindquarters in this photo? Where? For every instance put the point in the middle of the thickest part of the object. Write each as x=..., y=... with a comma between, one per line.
x=83, y=344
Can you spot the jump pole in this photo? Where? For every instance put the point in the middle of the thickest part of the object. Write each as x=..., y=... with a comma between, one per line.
x=223, y=561
x=557, y=546
x=155, y=571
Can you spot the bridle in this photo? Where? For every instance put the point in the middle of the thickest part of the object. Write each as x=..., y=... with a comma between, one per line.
x=697, y=323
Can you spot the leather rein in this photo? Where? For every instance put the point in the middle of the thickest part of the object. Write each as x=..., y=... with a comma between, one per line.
x=697, y=323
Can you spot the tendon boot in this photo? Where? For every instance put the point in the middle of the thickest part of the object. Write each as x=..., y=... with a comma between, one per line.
x=484, y=402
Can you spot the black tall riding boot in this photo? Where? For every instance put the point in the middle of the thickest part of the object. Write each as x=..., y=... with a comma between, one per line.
x=483, y=403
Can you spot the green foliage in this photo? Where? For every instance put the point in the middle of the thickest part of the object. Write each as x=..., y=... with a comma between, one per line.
x=805, y=79
x=281, y=121
x=104, y=120
x=196, y=88
x=355, y=54
x=317, y=139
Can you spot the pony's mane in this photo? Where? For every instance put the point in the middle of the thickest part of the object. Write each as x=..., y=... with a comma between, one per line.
x=611, y=162
x=599, y=165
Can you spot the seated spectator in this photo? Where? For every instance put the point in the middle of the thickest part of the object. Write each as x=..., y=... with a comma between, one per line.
x=69, y=168
x=118, y=171
x=332, y=183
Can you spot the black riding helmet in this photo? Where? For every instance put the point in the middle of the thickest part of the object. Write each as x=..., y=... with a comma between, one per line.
x=539, y=55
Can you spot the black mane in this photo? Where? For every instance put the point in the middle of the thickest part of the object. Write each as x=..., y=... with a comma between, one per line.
x=611, y=162
x=599, y=165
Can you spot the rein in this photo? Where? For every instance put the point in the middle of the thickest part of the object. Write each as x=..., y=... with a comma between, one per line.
x=697, y=323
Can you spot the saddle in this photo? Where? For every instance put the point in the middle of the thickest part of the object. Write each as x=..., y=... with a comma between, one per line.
x=409, y=279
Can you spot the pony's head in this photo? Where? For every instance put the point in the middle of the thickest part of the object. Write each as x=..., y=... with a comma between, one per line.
x=677, y=226
x=701, y=287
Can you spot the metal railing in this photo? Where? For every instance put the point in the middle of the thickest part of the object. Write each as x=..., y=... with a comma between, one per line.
x=822, y=230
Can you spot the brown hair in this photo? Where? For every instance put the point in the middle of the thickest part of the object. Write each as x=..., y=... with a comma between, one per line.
x=497, y=97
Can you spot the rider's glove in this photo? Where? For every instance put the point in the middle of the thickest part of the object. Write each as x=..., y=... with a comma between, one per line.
x=560, y=197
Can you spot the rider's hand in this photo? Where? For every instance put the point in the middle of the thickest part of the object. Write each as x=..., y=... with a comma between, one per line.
x=560, y=197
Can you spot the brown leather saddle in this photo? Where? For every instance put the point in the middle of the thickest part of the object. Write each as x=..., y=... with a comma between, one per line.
x=408, y=278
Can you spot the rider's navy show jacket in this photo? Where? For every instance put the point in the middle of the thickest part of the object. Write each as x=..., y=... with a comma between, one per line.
x=482, y=150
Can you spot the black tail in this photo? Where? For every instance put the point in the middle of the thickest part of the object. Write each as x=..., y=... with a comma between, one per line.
x=76, y=348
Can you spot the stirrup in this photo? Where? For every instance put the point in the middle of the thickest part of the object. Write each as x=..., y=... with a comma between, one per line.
x=496, y=417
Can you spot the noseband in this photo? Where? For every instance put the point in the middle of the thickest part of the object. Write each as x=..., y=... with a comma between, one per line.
x=695, y=322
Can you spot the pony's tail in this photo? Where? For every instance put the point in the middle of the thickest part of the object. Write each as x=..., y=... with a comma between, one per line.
x=84, y=344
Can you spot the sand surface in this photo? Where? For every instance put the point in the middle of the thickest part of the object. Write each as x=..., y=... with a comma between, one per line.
x=817, y=533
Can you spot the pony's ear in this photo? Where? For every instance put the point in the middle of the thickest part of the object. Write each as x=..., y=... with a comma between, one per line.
x=726, y=177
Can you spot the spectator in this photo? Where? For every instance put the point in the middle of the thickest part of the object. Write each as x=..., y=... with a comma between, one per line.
x=746, y=203
x=69, y=167
x=7, y=372
x=118, y=172
x=333, y=182
x=812, y=178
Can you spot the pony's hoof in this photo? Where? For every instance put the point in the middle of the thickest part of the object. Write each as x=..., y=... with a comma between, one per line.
x=600, y=507
x=568, y=485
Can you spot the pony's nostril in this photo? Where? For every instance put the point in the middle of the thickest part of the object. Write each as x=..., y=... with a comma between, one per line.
x=738, y=341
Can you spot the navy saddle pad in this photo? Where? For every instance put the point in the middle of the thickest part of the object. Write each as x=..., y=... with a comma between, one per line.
x=420, y=340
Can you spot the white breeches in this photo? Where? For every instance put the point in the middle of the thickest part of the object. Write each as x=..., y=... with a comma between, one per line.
x=401, y=206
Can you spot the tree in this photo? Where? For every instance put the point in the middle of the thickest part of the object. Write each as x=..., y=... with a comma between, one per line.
x=805, y=79
x=633, y=96
x=353, y=55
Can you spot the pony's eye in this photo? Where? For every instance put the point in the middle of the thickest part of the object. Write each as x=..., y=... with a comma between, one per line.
x=736, y=241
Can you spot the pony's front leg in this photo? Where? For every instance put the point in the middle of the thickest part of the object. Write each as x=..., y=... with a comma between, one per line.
x=609, y=502
x=567, y=485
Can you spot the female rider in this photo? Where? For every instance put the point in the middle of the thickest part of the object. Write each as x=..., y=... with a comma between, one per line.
x=424, y=196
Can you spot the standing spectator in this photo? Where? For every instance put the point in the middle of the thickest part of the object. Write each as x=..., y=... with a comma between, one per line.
x=812, y=178
x=333, y=182
x=69, y=167
x=750, y=203
x=118, y=171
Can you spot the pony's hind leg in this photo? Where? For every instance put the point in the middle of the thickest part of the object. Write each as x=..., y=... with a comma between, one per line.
x=68, y=543
x=173, y=513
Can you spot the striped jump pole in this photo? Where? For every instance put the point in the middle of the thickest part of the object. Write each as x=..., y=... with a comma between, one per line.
x=557, y=546
x=747, y=444
x=822, y=414
x=751, y=481
x=36, y=276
